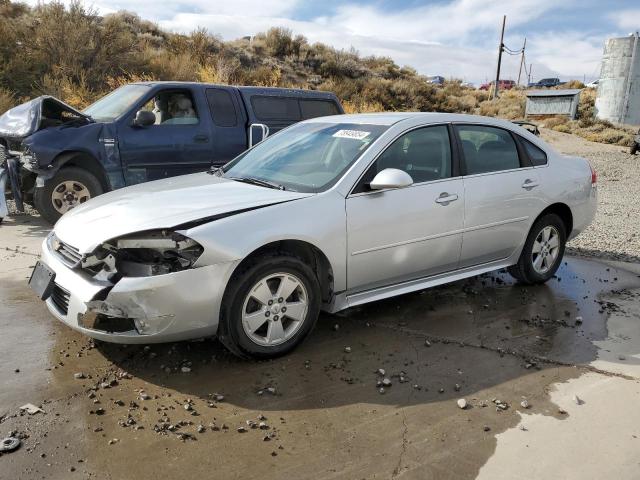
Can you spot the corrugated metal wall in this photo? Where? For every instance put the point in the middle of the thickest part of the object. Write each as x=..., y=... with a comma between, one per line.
x=554, y=105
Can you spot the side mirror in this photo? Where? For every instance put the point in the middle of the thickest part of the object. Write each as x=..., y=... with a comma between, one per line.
x=391, y=178
x=144, y=118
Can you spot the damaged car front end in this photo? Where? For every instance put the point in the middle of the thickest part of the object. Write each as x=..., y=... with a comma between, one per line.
x=126, y=287
x=27, y=162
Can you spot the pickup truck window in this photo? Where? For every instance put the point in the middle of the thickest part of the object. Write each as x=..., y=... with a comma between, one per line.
x=275, y=108
x=307, y=157
x=175, y=107
x=117, y=103
x=222, y=108
x=312, y=108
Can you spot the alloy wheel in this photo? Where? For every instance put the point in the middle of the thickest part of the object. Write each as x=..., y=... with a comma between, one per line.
x=275, y=309
x=546, y=248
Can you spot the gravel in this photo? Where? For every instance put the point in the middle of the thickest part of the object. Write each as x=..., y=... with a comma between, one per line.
x=615, y=233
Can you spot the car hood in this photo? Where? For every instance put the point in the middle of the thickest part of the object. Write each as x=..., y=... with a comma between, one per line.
x=25, y=119
x=168, y=203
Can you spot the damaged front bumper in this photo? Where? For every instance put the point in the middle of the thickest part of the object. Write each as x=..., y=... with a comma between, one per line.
x=4, y=210
x=163, y=308
x=10, y=176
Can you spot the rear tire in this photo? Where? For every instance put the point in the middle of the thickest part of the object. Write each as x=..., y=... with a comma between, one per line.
x=542, y=252
x=68, y=188
x=633, y=148
x=259, y=321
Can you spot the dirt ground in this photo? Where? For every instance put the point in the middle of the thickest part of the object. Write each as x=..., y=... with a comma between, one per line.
x=550, y=375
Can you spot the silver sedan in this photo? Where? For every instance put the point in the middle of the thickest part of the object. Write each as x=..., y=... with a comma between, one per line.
x=328, y=214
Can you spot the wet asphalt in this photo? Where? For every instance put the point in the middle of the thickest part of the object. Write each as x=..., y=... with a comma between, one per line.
x=176, y=409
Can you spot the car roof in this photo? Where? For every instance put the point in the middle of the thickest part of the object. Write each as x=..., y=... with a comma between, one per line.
x=392, y=118
x=248, y=89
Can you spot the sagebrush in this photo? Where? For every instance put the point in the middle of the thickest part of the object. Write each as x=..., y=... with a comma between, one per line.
x=78, y=56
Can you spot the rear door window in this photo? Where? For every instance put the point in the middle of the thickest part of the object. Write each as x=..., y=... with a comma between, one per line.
x=275, y=108
x=487, y=149
x=312, y=108
x=536, y=154
x=223, y=111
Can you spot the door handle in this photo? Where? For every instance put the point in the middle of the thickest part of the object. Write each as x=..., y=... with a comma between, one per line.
x=529, y=184
x=201, y=138
x=446, y=198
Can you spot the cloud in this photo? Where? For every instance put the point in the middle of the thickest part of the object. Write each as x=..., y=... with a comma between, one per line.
x=626, y=19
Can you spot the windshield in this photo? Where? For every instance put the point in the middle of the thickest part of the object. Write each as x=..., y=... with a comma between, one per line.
x=307, y=157
x=112, y=106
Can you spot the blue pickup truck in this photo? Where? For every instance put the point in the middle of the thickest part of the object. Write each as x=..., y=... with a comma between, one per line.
x=55, y=157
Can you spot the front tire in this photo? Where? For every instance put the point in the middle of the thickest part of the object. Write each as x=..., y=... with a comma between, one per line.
x=542, y=252
x=633, y=148
x=269, y=307
x=68, y=188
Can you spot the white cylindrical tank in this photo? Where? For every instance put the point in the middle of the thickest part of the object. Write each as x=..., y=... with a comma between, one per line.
x=618, y=96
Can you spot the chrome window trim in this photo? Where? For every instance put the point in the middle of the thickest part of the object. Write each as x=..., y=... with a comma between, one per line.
x=497, y=172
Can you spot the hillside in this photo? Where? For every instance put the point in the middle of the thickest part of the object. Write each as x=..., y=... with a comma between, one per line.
x=78, y=56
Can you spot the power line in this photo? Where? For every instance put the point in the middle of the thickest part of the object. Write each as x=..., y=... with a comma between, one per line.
x=503, y=48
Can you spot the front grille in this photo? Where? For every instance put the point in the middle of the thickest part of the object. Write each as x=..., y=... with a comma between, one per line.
x=70, y=255
x=60, y=298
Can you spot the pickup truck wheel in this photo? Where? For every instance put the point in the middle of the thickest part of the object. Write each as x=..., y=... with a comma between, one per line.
x=632, y=149
x=67, y=189
x=542, y=252
x=270, y=307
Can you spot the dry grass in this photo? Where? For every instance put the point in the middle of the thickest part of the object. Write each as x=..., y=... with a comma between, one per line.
x=7, y=100
x=78, y=56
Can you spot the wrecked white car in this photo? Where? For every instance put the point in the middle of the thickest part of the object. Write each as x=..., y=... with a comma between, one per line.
x=324, y=215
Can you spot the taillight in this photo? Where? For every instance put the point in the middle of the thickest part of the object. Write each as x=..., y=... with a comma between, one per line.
x=594, y=175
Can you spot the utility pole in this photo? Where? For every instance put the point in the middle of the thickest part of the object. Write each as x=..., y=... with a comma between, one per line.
x=522, y=59
x=500, y=48
x=529, y=75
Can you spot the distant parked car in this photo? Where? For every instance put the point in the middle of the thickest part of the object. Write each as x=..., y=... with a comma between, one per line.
x=502, y=85
x=593, y=84
x=547, y=82
x=58, y=157
x=330, y=213
x=437, y=80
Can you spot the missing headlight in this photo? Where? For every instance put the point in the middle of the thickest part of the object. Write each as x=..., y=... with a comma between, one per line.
x=143, y=254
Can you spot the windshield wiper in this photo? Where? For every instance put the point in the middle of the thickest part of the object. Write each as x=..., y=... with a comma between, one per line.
x=257, y=181
x=217, y=171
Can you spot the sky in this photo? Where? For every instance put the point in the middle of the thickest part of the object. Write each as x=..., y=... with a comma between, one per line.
x=452, y=38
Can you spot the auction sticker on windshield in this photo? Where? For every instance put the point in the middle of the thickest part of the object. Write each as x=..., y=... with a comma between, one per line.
x=355, y=134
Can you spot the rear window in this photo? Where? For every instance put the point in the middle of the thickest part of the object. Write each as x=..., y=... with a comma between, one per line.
x=275, y=108
x=222, y=109
x=536, y=154
x=317, y=108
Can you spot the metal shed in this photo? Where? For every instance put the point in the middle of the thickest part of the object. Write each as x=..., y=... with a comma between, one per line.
x=553, y=102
